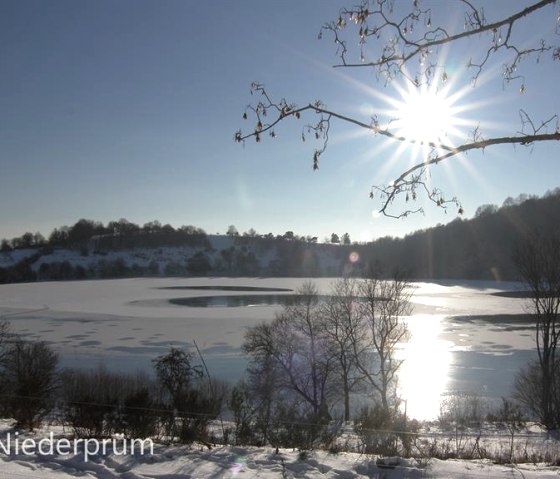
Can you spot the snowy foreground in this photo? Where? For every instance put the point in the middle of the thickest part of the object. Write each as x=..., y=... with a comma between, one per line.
x=263, y=463
x=227, y=462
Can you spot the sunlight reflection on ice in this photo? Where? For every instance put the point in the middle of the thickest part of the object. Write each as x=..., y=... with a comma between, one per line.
x=424, y=373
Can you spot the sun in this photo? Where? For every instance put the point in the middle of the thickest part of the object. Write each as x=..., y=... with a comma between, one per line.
x=417, y=122
x=424, y=115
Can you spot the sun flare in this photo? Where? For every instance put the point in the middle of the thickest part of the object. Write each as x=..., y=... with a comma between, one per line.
x=424, y=115
x=426, y=120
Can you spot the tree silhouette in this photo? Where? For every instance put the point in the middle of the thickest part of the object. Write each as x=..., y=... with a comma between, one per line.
x=537, y=260
x=295, y=346
x=411, y=45
x=232, y=231
x=383, y=305
x=342, y=327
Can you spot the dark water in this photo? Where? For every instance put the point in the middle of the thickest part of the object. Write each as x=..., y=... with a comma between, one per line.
x=229, y=288
x=236, y=301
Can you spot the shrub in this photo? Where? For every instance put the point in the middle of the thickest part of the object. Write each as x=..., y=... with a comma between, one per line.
x=99, y=403
x=140, y=414
x=30, y=378
x=387, y=432
x=191, y=402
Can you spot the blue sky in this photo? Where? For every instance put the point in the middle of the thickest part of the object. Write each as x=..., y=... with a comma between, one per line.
x=112, y=109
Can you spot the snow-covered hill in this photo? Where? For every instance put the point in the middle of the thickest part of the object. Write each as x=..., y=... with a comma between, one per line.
x=219, y=255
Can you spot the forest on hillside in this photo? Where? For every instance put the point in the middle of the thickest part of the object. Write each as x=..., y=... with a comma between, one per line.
x=478, y=248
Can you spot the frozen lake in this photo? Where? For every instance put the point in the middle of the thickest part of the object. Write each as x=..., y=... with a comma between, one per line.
x=464, y=337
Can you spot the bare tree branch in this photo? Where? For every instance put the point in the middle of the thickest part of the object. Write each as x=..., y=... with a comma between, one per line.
x=400, y=40
x=398, y=52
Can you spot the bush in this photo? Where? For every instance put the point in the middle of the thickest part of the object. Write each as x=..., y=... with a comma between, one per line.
x=190, y=402
x=386, y=432
x=374, y=427
x=113, y=269
x=30, y=378
x=140, y=414
x=174, y=269
x=100, y=403
x=244, y=412
x=461, y=410
x=90, y=400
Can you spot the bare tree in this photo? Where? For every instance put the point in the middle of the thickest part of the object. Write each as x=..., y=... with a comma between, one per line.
x=294, y=347
x=538, y=261
x=383, y=303
x=342, y=326
x=175, y=373
x=264, y=374
x=410, y=44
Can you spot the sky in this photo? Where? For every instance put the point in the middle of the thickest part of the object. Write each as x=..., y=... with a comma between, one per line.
x=128, y=109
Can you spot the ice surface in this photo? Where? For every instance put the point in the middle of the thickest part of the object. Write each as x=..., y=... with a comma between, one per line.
x=125, y=323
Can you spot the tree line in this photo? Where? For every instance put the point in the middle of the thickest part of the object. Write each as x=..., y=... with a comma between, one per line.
x=120, y=234
x=479, y=248
x=316, y=355
x=123, y=234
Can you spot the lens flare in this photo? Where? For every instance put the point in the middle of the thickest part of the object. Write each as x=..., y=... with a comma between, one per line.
x=236, y=466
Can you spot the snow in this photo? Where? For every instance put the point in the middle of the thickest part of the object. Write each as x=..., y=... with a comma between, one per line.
x=230, y=462
x=120, y=296
x=10, y=258
x=135, y=314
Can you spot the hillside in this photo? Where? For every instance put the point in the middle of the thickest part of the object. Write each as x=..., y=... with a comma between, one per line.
x=479, y=248
x=216, y=255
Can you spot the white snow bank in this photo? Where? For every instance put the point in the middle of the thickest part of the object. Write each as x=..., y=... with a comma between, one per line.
x=231, y=462
x=251, y=463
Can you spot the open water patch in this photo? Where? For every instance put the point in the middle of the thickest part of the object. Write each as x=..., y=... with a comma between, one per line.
x=245, y=300
x=235, y=301
x=519, y=294
x=229, y=288
x=506, y=320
